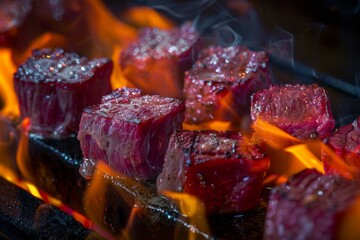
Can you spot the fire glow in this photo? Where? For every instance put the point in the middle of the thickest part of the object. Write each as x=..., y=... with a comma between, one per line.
x=288, y=154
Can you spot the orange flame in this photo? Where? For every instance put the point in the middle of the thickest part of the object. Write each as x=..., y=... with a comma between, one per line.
x=214, y=125
x=95, y=199
x=11, y=175
x=290, y=155
x=274, y=141
x=146, y=17
x=136, y=197
x=22, y=153
x=193, y=209
x=7, y=94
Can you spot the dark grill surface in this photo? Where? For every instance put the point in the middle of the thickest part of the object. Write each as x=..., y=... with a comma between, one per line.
x=23, y=216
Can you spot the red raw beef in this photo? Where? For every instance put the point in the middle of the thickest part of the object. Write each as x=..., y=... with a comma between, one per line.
x=300, y=110
x=219, y=85
x=221, y=168
x=346, y=144
x=157, y=61
x=54, y=86
x=130, y=133
x=309, y=206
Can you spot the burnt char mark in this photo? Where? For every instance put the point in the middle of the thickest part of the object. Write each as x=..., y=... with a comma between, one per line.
x=194, y=142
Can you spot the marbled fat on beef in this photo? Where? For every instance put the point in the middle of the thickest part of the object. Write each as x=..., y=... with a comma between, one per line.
x=54, y=86
x=130, y=133
x=219, y=85
x=345, y=142
x=300, y=110
x=309, y=206
x=157, y=61
x=221, y=168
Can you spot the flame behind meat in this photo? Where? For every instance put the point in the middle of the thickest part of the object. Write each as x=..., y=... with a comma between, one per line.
x=290, y=155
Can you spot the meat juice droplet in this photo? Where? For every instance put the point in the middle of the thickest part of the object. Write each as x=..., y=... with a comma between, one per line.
x=87, y=168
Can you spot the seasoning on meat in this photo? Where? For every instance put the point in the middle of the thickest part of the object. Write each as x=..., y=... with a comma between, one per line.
x=219, y=85
x=54, y=86
x=157, y=61
x=300, y=110
x=345, y=142
x=221, y=168
x=121, y=92
x=310, y=206
x=131, y=132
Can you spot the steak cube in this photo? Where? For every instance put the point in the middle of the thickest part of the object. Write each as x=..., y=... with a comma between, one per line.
x=221, y=168
x=219, y=85
x=54, y=86
x=157, y=61
x=346, y=144
x=310, y=206
x=131, y=134
x=300, y=110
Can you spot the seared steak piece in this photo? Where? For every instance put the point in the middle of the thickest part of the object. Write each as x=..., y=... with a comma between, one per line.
x=219, y=85
x=221, y=168
x=157, y=61
x=345, y=142
x=310, y=206
x=300, y=110
x=54, y=86
x=130, y=133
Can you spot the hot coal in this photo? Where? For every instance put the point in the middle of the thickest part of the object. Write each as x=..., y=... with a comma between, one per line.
x=54, y=86
x=309, y=206
x=345, y=142
x=221, y=168
x=219, y=85
x=131, y=134
x=301, y=110
x=157, y=61
x=23, y=216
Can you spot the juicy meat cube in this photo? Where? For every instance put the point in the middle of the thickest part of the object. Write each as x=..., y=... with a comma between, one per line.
x=157, y=61
x=131, y=134
x=300, y=110
x=309, y=206
x=346, y=144
x=221, y=168
x=53, y=88
x=220, y=83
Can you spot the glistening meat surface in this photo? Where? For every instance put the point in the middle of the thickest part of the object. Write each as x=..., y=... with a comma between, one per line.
x=130, y=133
x=221, y=168
x=219, y=85
x=300, y=110
x=310, y=206
x=157, y=61
x=54, y=86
